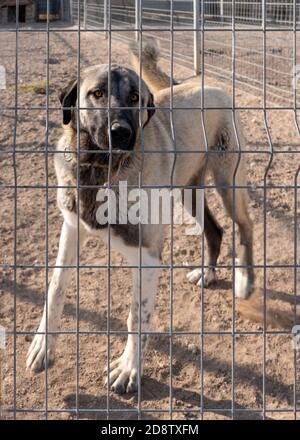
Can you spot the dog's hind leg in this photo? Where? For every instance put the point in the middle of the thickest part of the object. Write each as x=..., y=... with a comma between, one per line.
x=235, y=200
x=36, y=356
x=213, y=235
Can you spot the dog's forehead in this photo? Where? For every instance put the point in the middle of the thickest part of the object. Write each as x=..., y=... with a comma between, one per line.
x=98, y=75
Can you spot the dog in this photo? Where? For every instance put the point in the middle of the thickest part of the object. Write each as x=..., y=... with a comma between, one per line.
x=112, y=148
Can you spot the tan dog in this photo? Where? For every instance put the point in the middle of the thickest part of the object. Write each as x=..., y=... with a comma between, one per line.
x=114, y=147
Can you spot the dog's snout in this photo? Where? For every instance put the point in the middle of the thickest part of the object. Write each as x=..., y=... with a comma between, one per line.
x=121, y=135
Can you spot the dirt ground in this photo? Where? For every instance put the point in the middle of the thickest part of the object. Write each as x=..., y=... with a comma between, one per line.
x=200, y=368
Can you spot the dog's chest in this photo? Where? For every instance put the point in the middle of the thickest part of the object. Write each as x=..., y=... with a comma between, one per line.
x=82, y=199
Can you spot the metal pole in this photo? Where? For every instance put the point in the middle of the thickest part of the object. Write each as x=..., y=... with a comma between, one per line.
x=71, y=11
x=61, y=9
x=196, y=14
x=84, y=14
x=137, y=19
x=222, y=10
x=105, y=19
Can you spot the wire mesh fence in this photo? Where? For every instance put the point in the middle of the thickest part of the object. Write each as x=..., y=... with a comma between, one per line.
x=210, y=355
x=217, y=17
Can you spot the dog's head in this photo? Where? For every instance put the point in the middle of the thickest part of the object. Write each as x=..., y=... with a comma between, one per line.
x=109, y=110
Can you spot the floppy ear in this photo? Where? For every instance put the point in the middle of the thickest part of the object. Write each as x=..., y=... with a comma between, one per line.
x=68, y=98
x=150, y=108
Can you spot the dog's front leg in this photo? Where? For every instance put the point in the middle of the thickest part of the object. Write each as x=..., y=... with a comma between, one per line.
x=124, y=372
x=36, y=356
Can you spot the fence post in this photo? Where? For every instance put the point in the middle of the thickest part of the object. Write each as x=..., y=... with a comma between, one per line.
x=196, y=13
x=84, y=14
x=105, y=18
x=61, y=10
x=222, y=10
x=137, y=19
x=71, y=11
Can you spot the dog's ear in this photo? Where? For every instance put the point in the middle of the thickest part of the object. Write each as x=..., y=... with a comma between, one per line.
x=150, y=108
x=68, y=97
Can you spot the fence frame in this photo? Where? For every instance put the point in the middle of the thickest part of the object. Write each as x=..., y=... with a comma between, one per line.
x=198, y=31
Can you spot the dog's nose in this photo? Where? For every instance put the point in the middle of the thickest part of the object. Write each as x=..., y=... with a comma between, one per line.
x=121, y=135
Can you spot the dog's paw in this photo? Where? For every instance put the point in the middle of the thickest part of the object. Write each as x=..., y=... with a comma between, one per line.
x=36, y=356
x=195, y=276
x=242, y=285
x=123, y=374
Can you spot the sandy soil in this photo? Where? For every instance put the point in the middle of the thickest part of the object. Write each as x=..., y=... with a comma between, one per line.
x=200, y=368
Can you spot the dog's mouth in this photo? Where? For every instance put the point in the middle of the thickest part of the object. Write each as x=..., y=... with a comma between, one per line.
x=111, y=162
x=99, y=155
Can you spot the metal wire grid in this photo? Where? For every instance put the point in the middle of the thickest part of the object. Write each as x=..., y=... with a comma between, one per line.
x=214, y=11
x=216, y=16
x=202, y=332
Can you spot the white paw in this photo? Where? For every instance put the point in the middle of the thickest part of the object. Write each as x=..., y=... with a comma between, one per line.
x=195, y=276
x=242, y=285
x=36, y=356
x=123, y=375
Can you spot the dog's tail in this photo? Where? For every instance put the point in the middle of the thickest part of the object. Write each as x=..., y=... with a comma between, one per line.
x=152, y=74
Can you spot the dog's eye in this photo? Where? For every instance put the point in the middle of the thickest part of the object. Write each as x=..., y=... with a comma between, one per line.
x=97, y=93
x=134, y=97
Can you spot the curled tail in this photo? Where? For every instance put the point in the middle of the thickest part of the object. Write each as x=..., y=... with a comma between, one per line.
x=152, y=74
